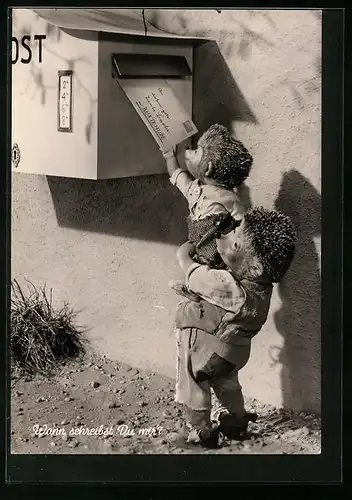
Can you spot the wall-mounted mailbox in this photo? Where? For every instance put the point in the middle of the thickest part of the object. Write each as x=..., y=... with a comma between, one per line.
x=73, y=79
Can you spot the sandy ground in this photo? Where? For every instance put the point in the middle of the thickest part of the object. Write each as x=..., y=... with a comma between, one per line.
x=134, y=412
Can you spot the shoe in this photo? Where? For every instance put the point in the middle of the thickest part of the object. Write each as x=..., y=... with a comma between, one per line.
x=180, y=288
x=232, y=427
x=207, y=437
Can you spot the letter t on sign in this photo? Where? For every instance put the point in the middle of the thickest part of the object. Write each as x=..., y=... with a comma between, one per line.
x=64, y=105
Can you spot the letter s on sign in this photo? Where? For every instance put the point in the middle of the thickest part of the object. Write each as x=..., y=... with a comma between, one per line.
x=28, y=60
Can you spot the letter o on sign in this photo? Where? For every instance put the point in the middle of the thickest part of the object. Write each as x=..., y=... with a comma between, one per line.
x=14, y=59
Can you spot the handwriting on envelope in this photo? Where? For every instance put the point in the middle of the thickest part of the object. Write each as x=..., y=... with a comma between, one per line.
x=160, y=110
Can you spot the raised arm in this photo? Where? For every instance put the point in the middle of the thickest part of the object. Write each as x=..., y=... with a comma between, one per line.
x=180, y=178
x=171, y=161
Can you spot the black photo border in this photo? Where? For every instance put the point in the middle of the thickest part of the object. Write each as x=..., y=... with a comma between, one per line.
x=325, y=468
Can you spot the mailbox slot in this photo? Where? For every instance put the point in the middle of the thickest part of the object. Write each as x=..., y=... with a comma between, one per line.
x=150, y=66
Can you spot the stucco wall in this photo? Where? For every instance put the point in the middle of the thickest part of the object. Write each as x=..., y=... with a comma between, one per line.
x=109, y=246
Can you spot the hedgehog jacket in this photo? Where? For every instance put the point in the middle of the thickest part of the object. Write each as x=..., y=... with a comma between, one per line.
x=205, y=202
x=214, y=336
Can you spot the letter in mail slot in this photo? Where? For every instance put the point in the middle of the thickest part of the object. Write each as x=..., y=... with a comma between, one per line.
x=160, y=110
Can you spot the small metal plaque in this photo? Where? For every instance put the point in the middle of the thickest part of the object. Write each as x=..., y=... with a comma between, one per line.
x=65, y=101
x=15, y=155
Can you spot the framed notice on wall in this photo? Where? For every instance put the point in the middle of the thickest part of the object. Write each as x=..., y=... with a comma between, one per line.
x=64, y=107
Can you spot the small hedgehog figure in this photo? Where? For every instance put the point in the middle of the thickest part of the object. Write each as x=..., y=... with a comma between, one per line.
x=225, y=161
x=215, y=170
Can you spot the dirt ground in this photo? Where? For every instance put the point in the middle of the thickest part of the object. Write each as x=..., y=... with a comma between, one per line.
x=100, y=406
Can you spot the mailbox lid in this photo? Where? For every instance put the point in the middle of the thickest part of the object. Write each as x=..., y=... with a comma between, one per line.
x=122, y=21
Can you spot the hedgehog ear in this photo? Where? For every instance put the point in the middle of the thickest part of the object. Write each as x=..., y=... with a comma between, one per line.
x=209, y=170
x=235, y=246
x=255, y=268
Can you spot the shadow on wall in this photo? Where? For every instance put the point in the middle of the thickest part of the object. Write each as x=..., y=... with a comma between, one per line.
x=216, y=97
x=54, y=35
x=146, y=207
x=298, y=320
x=149, y=207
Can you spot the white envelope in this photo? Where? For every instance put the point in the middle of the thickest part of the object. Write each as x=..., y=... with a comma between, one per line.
x=160, y=110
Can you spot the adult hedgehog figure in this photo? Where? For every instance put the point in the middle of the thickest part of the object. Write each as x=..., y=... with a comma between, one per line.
x=215, y=169
x=273, y=238
x=214, y=334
